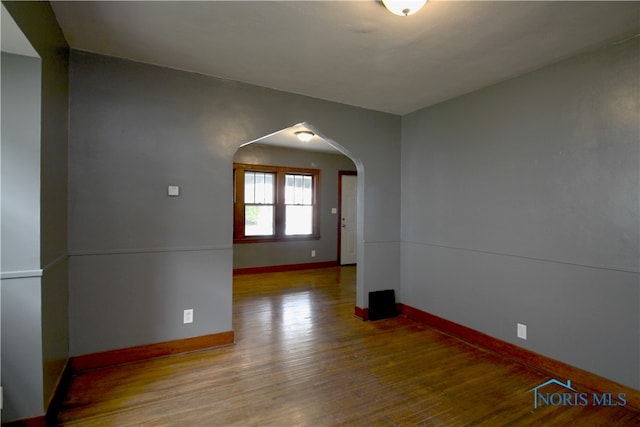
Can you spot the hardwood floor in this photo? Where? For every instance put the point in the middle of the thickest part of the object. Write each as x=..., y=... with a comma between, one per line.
x=302, y=358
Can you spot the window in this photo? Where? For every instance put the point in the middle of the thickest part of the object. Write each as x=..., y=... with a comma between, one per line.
x=259, y=203
x=275, y=203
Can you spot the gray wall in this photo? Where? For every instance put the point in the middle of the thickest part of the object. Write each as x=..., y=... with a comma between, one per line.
x=521, y=204
x=282, y=253
x=20, y=163
x=48, y=299
x=48, y=40
x=21, y=273
x=139, y=257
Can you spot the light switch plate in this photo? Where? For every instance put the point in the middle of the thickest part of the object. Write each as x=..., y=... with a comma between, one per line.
x=522, y=331
x=188, y=316
x=173, y=190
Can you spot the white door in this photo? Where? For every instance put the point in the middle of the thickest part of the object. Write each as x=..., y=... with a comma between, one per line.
x=348, y=219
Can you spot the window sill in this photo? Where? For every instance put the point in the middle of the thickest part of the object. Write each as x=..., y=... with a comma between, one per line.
x=275, y=239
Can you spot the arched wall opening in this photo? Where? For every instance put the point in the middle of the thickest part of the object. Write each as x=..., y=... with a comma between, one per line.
x=276, y=149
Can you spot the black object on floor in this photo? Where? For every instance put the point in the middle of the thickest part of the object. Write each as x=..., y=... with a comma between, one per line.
x=382, y=304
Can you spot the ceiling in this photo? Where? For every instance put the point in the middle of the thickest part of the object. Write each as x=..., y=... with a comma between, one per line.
x=351, y=52
x=12, y=39
x=287, y=138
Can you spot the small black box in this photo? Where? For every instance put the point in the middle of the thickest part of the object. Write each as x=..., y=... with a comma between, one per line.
x=382, y=304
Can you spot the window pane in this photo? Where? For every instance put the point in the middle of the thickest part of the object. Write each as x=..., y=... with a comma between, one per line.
x=307, y=193
x=299, y=220
x=268, y=188
x=258, y=187
x=298, y=190
x=258, y=220
x=249, y=185
x=288, y=189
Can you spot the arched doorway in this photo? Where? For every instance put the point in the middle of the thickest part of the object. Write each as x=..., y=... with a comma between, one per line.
x=260, y=160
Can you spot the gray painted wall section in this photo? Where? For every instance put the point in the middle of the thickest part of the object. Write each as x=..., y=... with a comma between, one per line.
x=22, y=380
x=135, y=129
x=38, y=23
x=20, y=164
x=157, y=287
x=282, y=253
x=55, y=324
x=54, y=200
x=20, y=221
x=521, y=204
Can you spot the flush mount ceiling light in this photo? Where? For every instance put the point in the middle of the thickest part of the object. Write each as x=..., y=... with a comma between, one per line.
x=304, y=135
x=403, y=7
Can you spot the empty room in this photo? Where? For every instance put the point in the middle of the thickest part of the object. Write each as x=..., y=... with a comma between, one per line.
x=320, y=213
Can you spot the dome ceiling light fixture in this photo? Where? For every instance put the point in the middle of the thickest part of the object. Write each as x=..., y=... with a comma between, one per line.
x=304, y=135
x=404, y=7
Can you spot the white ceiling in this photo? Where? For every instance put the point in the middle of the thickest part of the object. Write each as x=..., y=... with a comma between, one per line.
x=287, y=138
x=12, y=39
x=352, y=52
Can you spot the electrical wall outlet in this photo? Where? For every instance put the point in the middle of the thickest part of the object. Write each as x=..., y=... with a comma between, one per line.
x=313, y=254
x=188, y=316
x=522, y=331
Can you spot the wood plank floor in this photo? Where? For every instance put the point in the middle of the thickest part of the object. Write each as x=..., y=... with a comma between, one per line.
x=301, y=358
